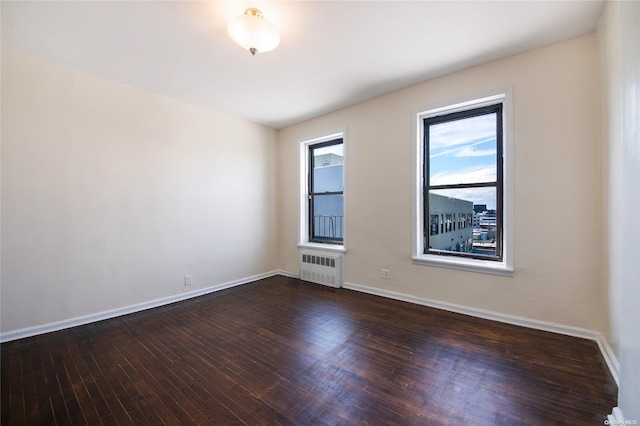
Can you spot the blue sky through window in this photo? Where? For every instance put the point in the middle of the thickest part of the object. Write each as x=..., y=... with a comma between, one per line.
x=464, y=151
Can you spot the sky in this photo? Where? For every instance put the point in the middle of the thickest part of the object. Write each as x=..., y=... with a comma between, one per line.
x=464, y=151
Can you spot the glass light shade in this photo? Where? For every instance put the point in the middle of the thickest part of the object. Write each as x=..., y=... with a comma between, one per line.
x=253, y=33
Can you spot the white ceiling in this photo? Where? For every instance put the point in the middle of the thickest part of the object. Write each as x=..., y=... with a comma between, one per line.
x=332, y=53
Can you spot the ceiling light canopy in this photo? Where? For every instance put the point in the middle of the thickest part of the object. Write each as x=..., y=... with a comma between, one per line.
x=253, y=32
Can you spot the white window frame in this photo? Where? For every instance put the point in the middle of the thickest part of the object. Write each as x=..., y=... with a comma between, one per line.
x=504, y=267
x=303, y=237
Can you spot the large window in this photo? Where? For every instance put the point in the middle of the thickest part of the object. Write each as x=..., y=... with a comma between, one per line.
x=463, y=176
x=463, y=216
x=322, y=205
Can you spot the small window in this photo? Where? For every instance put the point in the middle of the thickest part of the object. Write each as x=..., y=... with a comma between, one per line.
x=463, y=178
x=322, y=223
x=326, y=197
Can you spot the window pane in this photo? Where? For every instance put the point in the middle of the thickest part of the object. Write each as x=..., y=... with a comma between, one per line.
x=481, y=198
x=327, y=217
x=327, y=169
x=465, y=220
x=463, y=151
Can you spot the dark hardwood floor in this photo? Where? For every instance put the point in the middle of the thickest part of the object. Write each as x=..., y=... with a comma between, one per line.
x=282, y=351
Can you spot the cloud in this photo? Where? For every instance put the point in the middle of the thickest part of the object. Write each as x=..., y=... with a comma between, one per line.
x=470, y=175
x=468, y=151
x=462, y=132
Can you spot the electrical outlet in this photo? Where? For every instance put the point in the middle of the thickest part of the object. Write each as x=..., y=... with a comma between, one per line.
x=384, y=273
x=187, y=280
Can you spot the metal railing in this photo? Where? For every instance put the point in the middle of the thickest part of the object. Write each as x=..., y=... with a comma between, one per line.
x=328, y=226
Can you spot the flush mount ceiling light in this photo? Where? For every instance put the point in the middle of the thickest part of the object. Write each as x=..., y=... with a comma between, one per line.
x=253, y=33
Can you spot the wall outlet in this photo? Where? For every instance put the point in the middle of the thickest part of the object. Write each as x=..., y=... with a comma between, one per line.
x=384, y=273
x=187, y=280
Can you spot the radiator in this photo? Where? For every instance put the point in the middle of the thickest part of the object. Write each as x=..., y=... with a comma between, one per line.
x=321, y=268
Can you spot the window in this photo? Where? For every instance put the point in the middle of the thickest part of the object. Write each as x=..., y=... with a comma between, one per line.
x=322, y=223
x=434, y=224
x=463, y=169
x=463, y=164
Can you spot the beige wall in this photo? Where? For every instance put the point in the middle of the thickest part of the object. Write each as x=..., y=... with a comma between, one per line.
x=608, y=37
x=619, y=54
x=558, y=220
x=110, y=195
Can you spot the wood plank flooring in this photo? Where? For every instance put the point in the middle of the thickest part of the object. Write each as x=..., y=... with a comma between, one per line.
x=282, y=351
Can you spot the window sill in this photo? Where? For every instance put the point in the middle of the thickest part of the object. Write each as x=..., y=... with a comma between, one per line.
x=323, y=247
x=470, y=265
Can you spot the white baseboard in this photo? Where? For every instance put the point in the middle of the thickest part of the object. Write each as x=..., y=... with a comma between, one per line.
x=86, y=319
x=480, y=313
x=567, y=330
x=616, y=418
x=609, y=357
x=288, y=274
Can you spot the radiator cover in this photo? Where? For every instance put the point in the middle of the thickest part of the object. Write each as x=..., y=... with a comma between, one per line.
x=321, y=268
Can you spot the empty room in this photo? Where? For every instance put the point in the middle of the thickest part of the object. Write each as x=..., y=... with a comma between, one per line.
x=320, y=212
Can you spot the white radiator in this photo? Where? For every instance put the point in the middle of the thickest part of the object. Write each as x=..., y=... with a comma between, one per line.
x=321, y=268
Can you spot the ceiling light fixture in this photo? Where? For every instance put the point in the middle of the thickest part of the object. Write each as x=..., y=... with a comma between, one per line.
x=253, y=32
